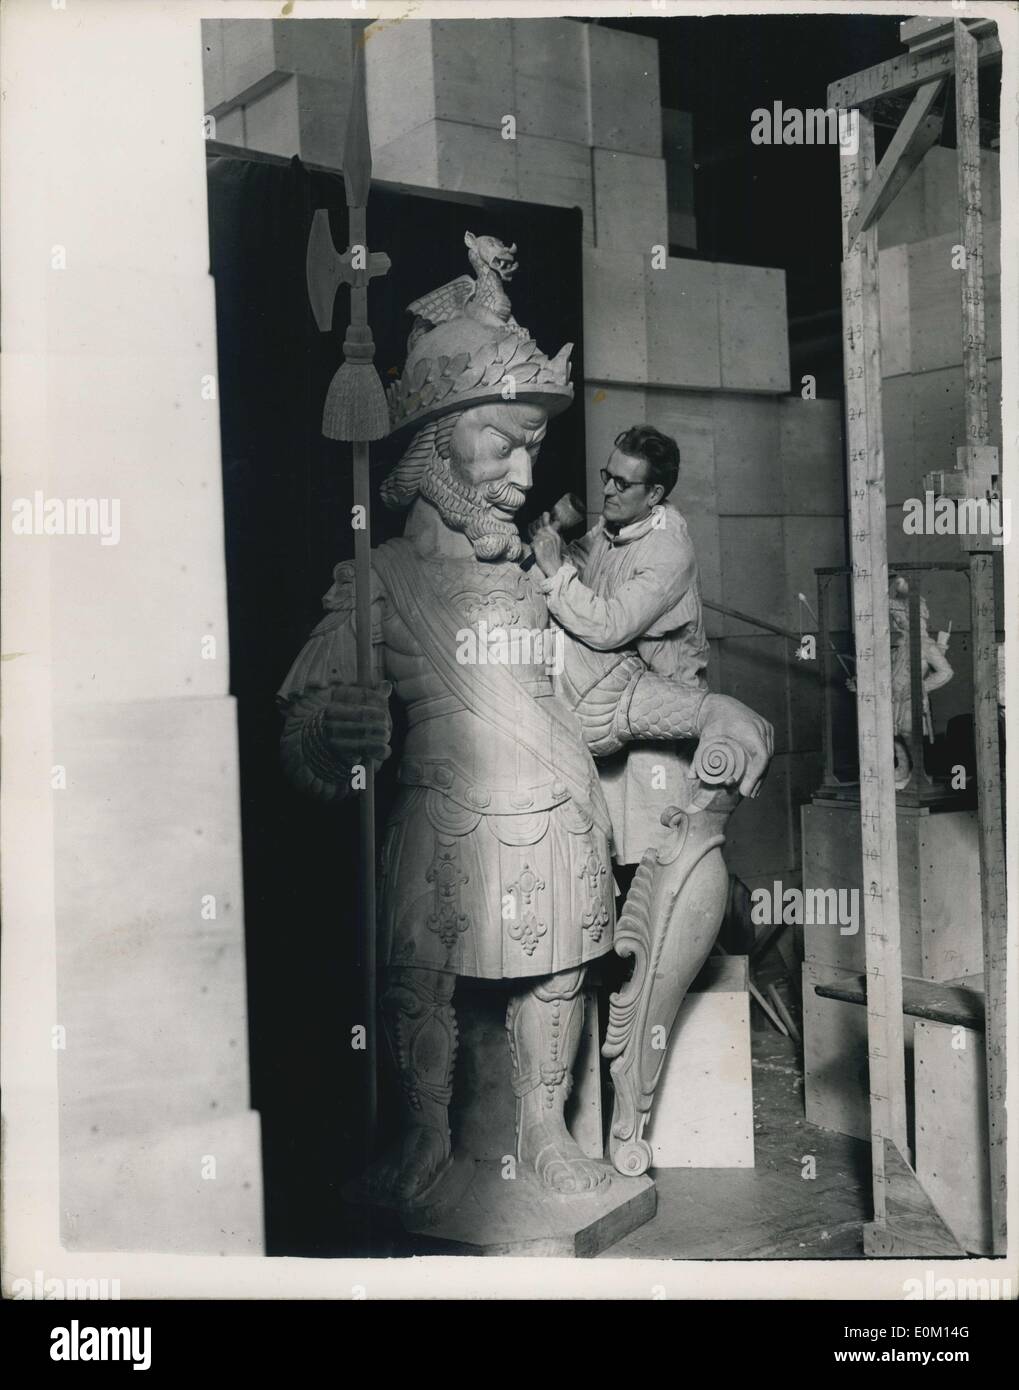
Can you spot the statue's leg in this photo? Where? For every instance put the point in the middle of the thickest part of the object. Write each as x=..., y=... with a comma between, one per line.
x=421, y=1030
x=544, y=1025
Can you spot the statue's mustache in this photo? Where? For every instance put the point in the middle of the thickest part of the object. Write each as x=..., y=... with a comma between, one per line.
x=503, y=494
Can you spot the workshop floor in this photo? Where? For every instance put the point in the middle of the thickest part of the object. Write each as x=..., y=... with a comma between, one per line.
x=770, y=1211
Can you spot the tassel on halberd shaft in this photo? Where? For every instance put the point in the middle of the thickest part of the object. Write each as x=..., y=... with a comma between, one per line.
x=355, y=405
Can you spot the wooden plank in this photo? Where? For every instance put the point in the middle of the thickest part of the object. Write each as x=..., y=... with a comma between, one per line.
x=985, y=652
x=961, y=1004
x=919, y=130
x=913, y=1224
x=952, y=1160
x=862, y=362
x=905, y=73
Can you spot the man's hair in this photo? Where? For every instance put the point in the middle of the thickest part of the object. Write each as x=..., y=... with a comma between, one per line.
x=659, y=451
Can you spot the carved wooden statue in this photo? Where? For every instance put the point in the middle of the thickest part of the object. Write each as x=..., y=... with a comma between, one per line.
x=496, y=860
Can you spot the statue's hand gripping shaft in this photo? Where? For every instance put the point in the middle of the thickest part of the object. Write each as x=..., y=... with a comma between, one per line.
x=329, y=733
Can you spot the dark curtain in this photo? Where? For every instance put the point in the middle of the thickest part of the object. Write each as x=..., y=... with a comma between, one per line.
x=287, y=498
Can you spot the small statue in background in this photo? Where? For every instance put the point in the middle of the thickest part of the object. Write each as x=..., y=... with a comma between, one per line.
x=935, y=672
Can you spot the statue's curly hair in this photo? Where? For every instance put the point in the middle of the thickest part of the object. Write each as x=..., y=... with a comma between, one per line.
x=404, y=483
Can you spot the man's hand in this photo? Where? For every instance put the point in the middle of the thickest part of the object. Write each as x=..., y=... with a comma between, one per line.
x=723, y=717
x=548, y=550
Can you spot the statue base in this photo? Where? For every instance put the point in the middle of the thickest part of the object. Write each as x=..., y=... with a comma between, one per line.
x=475, y=1210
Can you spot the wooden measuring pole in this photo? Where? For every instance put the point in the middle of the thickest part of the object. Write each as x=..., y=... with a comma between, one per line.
x=862, y=360
x=984, y=638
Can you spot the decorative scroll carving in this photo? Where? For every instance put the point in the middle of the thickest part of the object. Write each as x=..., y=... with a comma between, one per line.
x=670, y=921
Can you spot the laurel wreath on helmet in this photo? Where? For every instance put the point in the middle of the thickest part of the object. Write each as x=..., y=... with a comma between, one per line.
x=432, y=380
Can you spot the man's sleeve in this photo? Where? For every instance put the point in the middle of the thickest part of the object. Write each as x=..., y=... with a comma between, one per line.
x=608, y=623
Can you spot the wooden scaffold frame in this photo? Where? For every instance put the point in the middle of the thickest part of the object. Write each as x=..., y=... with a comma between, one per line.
x=906, y=1222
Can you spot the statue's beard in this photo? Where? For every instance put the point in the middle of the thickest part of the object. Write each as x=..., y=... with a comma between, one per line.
x=469, y=509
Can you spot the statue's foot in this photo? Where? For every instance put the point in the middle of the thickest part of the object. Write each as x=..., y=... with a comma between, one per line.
x=409, y=1171
x=549, y=1148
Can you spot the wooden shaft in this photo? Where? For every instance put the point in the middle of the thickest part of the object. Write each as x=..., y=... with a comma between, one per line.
x=366, y=676
x=984, y=636
x=880, y=876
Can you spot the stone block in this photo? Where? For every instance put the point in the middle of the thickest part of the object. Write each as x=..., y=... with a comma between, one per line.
x=447, y=154
x=939, y=420
x=811, y=542
x=475, y=159
x=682, y=324
x=902, y=475
x=412, y=158
x=249, y=56
x=688, y=416
x=755, y=670
x=748, y=463
x=213, y=67
x=704, y=533
x=895, y=321
x=753, y=328
x=626, y=111
x=941, y=190
x=398, y=60
x=753, y=578
x=157, y=1193
x=272, y=120
x=322, y=48
x=703, y=1112
x=472, y=70
x=151, y=986
x=935, y=305
x=229, y=128
x=558, y=173
x=608, y=410
x=302, y=115
x=550, y=79
x=155, y=595
x=810, y=447
x=441, y=69
x=952, y=1149
x=905, y=220
x=615, y=317
x=631, y=213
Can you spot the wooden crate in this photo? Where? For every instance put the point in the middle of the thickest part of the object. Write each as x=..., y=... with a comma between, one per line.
x=939, y=885
x=703, y=1115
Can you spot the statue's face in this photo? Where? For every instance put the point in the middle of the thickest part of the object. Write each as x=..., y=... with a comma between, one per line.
x=493, y=449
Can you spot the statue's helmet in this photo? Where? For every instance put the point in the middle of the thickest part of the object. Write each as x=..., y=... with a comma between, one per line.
x=465, y=349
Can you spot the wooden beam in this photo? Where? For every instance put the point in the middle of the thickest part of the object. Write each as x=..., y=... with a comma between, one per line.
x=983, y=635
x=919, y=130
x=906, y=73
x=880, y=876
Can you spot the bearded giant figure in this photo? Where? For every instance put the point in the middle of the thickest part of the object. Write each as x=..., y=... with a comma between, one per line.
x=496, y=858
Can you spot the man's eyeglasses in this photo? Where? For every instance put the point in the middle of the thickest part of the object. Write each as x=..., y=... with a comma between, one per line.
x=621, y=484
